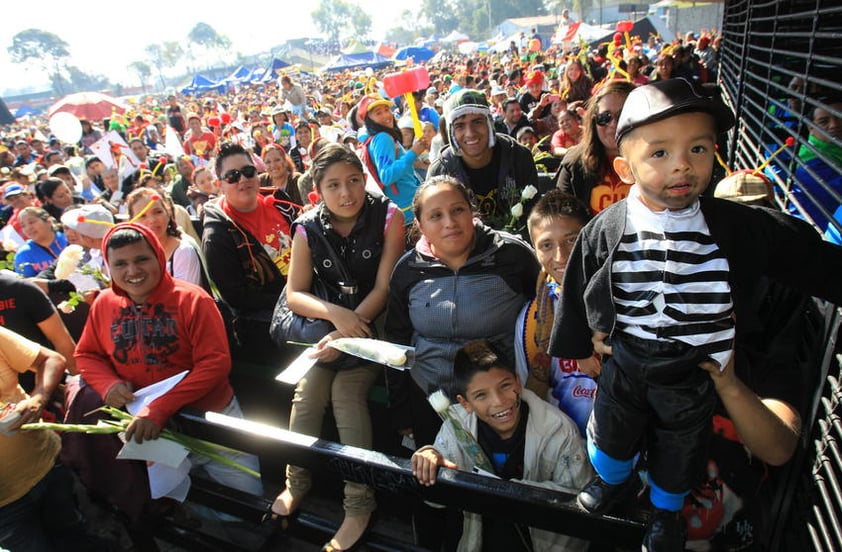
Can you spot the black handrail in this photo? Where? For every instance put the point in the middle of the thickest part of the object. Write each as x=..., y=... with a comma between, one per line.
x=513, y=502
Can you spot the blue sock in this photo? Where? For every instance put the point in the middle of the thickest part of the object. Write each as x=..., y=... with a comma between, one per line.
x=664, y=500
x=611, y=470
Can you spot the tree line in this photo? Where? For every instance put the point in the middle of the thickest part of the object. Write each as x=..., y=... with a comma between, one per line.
x=338, y=20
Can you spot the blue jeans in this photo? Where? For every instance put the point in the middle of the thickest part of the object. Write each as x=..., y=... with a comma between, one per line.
x=45, y=518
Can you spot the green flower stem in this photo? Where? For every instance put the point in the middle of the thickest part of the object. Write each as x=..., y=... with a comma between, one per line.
x=196, y=446
x=469, y=445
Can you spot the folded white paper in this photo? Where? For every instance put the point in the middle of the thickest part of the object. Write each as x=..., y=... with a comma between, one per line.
x=160, y=451
x=170, y=482
x=149, y=393
x=298, y=368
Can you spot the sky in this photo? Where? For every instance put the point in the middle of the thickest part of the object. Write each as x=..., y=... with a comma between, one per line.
x=105, y=36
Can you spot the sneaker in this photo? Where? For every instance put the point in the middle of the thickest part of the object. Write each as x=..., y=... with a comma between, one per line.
x=599, y=496
x=666, y=532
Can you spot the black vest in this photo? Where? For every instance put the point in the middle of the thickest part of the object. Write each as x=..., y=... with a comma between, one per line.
x=360, y=250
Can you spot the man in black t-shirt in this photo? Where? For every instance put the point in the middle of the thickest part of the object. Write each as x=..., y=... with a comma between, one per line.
x=26, y=310
x=493, y=165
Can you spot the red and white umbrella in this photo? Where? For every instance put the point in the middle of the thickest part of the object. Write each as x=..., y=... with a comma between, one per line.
x=92, y=106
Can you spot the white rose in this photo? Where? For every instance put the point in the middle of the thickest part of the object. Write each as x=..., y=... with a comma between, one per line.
x=517, y=210
x=68, y=260
x=439, y=401
x=66, y=307
x=528, y=193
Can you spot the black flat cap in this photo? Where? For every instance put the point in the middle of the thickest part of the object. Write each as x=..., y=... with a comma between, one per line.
x=662, y=99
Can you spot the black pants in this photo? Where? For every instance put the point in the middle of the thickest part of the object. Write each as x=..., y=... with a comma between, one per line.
x=655, y=390
x=425, y=422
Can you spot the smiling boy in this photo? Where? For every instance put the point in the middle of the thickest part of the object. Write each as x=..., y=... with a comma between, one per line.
x=665, y=275
x=526, y=439
x=554, y=224
x=148, y=326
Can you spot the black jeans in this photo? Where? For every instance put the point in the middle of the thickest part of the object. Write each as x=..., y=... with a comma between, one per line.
x=655, y=390
x=45, y=518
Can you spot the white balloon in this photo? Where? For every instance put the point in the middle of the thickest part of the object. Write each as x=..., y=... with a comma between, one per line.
x=66, y=127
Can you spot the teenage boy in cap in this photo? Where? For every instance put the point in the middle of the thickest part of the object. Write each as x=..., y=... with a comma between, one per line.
x=493, y=165
x=664, y=274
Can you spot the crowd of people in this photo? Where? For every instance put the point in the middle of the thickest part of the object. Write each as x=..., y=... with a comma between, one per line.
x=543, y=234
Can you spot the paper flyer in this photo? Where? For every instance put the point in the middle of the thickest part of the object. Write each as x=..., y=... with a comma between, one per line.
x=298, y=368
x=167, y=463
x=149, y=393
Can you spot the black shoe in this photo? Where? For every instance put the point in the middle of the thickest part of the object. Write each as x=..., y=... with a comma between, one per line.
x=330, y=547
x=599, y=496
x=666, y=532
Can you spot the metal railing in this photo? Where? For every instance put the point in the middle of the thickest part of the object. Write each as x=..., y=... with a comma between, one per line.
x=780, y=61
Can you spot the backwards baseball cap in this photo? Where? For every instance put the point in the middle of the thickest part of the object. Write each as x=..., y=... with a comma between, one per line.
x=663, y=99
x=466, y=102
x=369, y=102
x=89, y=220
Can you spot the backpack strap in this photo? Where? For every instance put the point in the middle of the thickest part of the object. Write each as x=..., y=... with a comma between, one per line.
x=372, y=169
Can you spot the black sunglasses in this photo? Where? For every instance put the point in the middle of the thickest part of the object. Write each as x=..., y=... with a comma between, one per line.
x=604, y=118
x=233, y=176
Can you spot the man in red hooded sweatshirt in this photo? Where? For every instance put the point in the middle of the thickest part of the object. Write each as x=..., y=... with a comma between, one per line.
x=149, y=326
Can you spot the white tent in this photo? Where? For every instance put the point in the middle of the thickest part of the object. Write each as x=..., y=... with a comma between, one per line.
x=470, y=47
x=577, y=31
x=455, y=36
x=503, y=44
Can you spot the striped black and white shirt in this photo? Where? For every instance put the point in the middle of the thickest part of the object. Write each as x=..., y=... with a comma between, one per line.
x=670, y=280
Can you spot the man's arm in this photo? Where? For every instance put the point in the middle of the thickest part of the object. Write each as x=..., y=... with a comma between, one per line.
x=54, y=329
x=49, y=368
x=768, y=427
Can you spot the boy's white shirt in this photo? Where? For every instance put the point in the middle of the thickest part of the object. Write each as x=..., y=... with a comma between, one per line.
x=554, y=458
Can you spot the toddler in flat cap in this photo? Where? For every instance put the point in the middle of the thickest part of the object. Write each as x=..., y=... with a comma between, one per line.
x=658, y=281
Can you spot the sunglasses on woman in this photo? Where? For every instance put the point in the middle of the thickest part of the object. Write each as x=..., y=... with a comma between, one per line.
x=605, y=118
x=233, y=176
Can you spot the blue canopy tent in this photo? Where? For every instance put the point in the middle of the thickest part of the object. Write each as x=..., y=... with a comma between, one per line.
x=200, y=84
x=241, y=74
x=358, y=61
x=5, y=116
x=272, y=71
x=24, y=110
x=417, y=53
